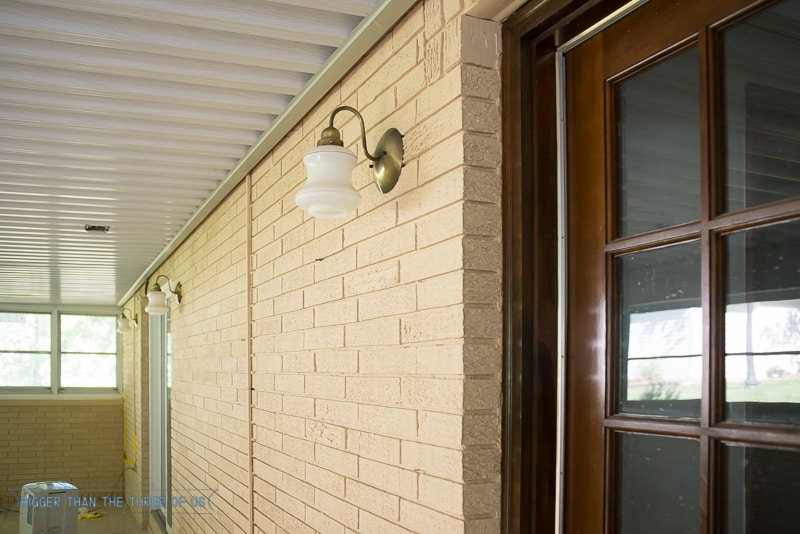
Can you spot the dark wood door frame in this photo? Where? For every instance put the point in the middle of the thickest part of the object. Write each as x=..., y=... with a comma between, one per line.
x=530, y=211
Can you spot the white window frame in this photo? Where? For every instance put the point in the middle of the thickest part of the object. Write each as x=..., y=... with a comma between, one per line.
x=55, y=352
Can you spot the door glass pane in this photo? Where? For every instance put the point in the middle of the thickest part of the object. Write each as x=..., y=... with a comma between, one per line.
x=762, y=490
x=762, y=106
x=656, y=497
x=658, y=145
x=660, y=331
x=762, y=324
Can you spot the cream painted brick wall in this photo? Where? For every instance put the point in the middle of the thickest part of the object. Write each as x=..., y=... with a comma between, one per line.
x=135, y=386
x=376, y=340
x=74, y=441
x=405, y=332
x=210, y=412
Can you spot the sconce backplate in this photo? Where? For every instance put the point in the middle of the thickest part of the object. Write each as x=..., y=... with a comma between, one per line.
x=389, y=160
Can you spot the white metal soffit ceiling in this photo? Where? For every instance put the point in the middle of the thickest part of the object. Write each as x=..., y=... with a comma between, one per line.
x=140, y=115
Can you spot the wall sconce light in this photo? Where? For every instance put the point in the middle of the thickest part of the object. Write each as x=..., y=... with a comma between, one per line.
x=126, y=323
x=157, y=299
x=329, y=192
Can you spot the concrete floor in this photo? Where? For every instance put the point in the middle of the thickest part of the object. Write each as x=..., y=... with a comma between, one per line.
x=114, y=522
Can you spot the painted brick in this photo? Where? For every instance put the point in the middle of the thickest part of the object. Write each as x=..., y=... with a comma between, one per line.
x=325, y=386
x=336, y=460
x=370, y=224
x=440, y=291
x=481, y=394
x=388, y=302
x=421, y=519
x=327, y=481
x=431, y=459
x=440, y=225
x=377, y=339
x=430, y=197
x=372, y=278
x=373, y=389
x=433, y=325
x=387, y=421
x=388, y=245
x=374, y=446
x=448, y=495
x=481, y=463
x=373, y=500
x=445, y=429
x=333, y=313
x=326, y=291
x=372, y=523
x=394, y=360
x=336, y=361
x=339, y=509
x=431, y=261
x=92, y=464
x=322, y=523
x=325, y=433
x=322, y=247
x=376, y=332
x=335, y=265
x=388, y=478
x=337, y=412
x=433, y=393
x=302, y=406
x=480, y=42
x=328, y=337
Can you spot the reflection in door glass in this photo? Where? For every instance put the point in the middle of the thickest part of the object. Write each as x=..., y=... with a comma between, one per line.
x=762, y=324
x=658, y=145
x=762, y=107
x=660, y=331
x=761, y=490
x=654, y=496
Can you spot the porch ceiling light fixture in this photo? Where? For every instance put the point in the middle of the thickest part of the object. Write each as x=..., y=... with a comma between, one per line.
x=329, y=192
x=157, y=299
x=126, y=323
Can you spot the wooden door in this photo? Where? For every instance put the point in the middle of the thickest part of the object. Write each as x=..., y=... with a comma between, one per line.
x=683, y=271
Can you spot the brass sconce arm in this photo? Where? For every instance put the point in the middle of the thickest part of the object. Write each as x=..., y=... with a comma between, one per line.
x=331, y=135
x=388, y=158
x=176, y=291
x=127, y=321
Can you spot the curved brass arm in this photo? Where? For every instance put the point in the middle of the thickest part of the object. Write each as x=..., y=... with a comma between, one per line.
x=388, y=159
x=176, y=291
x=331, y=135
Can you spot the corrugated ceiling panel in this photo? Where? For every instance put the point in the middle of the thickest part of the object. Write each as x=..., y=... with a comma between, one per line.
x=130, y=113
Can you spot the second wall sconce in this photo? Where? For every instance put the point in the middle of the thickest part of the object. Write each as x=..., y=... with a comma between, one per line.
x=157, y=299
x=126, y=323
x=329, y=192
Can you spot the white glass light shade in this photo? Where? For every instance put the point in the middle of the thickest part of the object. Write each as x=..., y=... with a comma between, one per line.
x=156, y=302
x=329, y=192
x=124, y=325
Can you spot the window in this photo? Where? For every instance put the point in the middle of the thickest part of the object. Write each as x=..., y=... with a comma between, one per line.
x=57, y=350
